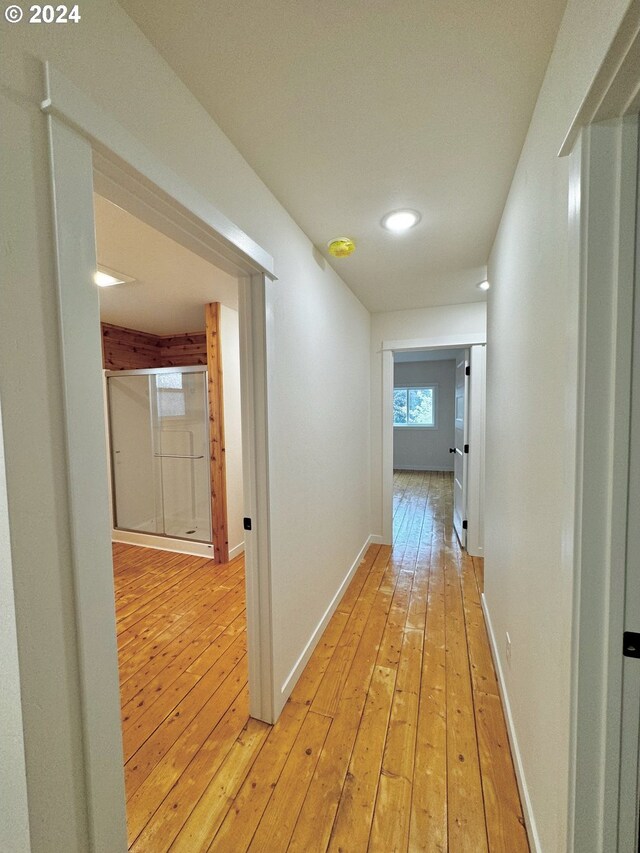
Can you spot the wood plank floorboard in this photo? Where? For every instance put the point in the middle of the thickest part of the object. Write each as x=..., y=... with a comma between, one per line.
x=393, y=740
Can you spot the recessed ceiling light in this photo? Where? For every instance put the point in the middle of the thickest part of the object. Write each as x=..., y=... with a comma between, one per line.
x=400, y=220
x=105, y=277
x=484, y=285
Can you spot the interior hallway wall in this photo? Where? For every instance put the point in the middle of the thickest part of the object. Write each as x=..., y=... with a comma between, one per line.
x=427, y=448
x=531, y=418
x=319, y=355
x=437, y=324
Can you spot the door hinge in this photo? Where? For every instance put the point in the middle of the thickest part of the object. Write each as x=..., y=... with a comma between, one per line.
x=631, y=644
x=246, y=523
x=467, y=370
x=466, y=448
x=464, y=524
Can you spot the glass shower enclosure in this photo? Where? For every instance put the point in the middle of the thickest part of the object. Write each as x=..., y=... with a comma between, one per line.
x=159, y=433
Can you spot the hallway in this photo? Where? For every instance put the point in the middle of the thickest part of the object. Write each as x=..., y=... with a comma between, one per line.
x=393, y=739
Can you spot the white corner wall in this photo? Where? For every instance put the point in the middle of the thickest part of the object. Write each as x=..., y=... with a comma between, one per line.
x=14, y=814
x=229, y=337
x=427, y=449
x=465, y=322
x=319, y=357
x=531, y=417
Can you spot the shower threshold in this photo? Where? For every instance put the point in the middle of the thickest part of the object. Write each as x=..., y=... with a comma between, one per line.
x=163, y=543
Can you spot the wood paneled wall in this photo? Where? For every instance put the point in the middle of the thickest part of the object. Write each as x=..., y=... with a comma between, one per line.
x=128, y=349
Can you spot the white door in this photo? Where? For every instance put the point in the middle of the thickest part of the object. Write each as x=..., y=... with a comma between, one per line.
x=461, y=450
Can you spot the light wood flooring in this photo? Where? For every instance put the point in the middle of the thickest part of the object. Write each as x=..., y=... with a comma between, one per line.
x=393, y=739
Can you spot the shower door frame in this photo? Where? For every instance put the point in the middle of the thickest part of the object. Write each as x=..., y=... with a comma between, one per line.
x=89, y=149
x=200, y=546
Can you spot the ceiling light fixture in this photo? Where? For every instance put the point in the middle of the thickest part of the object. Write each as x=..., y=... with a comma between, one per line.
x=399, y=221
x=484, y=285
x=105, y=277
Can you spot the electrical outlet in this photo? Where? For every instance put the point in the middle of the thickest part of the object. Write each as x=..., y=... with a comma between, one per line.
x=508, y=649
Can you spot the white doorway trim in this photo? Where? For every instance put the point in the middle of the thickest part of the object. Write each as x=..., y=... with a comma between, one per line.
x=150, y=181
x=604, y=175
x=477, y=429
x=86, y=142
x=605, y=715
x=388, y=349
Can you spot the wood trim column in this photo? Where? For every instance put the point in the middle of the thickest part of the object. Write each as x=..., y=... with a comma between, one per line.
x=216, y=434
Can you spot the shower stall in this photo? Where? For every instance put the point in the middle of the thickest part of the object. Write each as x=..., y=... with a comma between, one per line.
x=159, y=450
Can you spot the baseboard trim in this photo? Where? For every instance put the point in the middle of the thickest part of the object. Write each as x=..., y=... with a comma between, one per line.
x=532, y=830
x=236, y=550
x=474, y=551
x=290, y=681
x=421, y=468
x=163, y=543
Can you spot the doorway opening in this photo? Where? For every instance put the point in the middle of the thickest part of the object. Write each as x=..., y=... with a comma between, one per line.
x=434, y=421
x=90, y=152
x=169, y=333
x=428, y=423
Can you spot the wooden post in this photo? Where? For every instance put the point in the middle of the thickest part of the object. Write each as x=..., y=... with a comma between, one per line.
x=216, y=435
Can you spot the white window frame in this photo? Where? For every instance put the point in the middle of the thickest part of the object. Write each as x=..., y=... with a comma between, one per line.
x=408, y=386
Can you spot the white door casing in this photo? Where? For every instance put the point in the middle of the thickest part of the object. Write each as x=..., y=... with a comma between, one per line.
x=604, y=774
x=452, y=342
x=629, y=812
x=72, y=185
x=460, y=464
x=476, y=439
x=81, y=135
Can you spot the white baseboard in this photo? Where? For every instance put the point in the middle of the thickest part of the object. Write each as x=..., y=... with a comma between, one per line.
x=421, y=468
x=163, y=543
x=534, y=838
x=237, y=549
x=296, y=672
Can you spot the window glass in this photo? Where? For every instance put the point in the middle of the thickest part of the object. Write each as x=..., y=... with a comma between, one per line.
x=414, y=407
x=171, y=402
x=400, y=406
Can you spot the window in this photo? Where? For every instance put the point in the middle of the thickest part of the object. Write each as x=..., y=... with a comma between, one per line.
x=171, y=403
x=414, y=407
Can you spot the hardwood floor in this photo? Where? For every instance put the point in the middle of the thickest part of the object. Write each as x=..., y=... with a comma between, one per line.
x=393, y=739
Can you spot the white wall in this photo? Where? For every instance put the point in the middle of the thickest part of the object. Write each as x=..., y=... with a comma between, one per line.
x=464, y=322
x=229, y=338
x=422, y=449
x=531, y=411
x=319, y=410
x=14, y=815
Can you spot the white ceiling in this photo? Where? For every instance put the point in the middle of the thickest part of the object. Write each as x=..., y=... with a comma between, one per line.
x=172, y=285
x=350, y=108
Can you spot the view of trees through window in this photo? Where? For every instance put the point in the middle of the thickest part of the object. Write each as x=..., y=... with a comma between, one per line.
x=413, y=407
